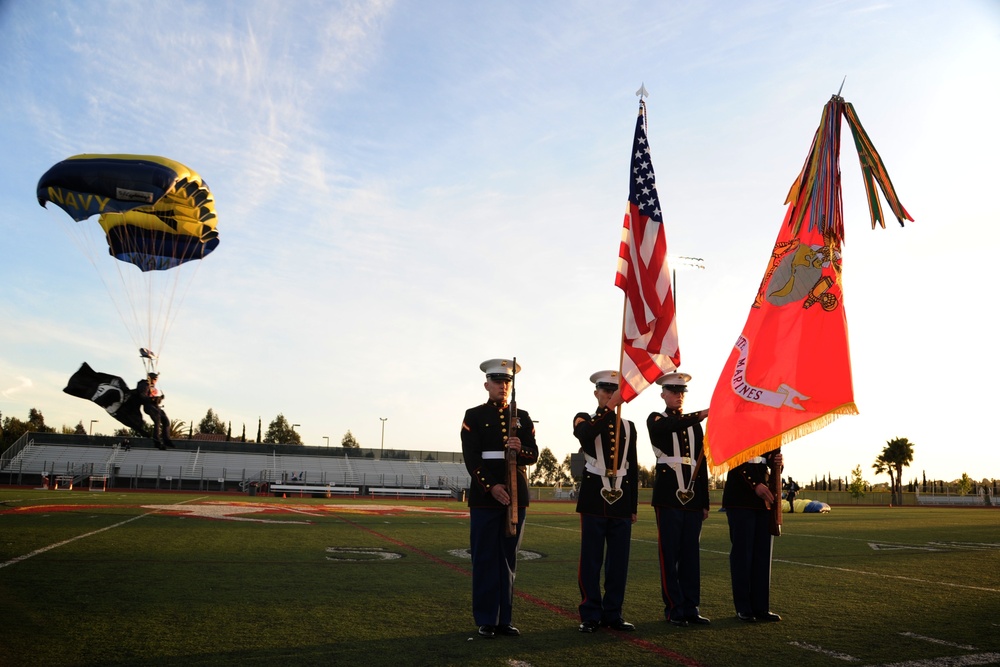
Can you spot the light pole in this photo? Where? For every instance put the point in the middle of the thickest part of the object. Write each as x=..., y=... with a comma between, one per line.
x=383, y=419
x=92, y=422
x=327, y=438
x=293, y=427
x=688, y=262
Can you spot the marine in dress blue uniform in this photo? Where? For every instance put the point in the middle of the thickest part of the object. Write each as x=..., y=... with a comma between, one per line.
x=486, y=434
x=680, y=499
x=608, y=503
x=747, y=501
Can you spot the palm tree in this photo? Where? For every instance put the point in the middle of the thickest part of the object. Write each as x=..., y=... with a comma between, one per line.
x=881, y=466
x=898, y=453
x=177, y=428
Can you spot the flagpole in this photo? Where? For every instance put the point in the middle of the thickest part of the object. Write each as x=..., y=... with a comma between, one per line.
x=621, y=363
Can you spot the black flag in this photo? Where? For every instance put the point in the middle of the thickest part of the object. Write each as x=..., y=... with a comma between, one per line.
x=108, y=391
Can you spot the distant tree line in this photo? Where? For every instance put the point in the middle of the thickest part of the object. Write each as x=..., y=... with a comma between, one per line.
x=548, y=471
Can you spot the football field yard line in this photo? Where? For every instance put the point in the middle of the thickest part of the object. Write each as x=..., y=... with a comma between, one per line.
x=18, y=559
x=827, y=652
x=824, y=567
x=949, y=661
x=870, y=574
x=933, y=640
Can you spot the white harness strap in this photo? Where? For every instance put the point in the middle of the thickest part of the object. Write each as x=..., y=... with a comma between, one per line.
x=677, y=462
x=596, y=465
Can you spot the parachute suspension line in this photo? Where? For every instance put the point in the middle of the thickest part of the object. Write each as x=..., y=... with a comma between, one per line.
x=93, y=247
x=132, y=288
x=176, y=295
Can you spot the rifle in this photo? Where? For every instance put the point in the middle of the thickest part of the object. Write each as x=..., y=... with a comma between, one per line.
x=510, y=458
x=774, y=483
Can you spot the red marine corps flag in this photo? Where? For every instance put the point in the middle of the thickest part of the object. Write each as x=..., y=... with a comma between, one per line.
x=649, y=331
x=789, y=373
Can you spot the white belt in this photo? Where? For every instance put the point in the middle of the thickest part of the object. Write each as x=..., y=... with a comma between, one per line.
x=685, y=492
x=757, y=459
x=604, y=472
x=670, y=460
x=493, y=455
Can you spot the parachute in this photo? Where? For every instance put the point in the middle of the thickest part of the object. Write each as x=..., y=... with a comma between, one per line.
x=154, y=214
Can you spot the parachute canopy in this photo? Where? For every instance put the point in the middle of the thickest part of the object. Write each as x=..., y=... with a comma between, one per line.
x=155, y=212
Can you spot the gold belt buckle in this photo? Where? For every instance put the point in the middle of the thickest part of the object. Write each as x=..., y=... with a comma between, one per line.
x=611, y=473
x=686, y=460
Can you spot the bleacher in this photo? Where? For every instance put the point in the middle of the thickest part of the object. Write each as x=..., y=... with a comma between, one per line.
x=228, y=466
x=938, y=499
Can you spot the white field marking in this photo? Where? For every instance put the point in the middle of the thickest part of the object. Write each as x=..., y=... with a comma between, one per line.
x=950, y=661
x=870, y=574
x=967, y=545
x=26, y=556
x=227, y=512
x=826, y=652
x=933, y=640
x=518, y=663
x=361, y=509
x=521, y=554
x=889, y=546
x=294, y=509
x=379, y=552
x=577, y=530
x=901, y=545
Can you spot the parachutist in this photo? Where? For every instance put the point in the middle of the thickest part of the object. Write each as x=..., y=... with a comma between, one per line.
x=151, y=398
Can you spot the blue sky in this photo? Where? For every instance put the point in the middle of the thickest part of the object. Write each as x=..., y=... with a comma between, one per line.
x=406, y=189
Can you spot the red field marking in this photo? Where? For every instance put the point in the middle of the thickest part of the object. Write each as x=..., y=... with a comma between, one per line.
x=246, y=507
x=42, y=509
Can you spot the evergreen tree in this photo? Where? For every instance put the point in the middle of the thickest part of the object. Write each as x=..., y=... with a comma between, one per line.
x=280, y=431
x=965, y=484
x=211, y=424
x=857, y=485
x=547, y=470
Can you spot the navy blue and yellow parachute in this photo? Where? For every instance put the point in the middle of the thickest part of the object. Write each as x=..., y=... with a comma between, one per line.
x=142, y=210
x=155, y=212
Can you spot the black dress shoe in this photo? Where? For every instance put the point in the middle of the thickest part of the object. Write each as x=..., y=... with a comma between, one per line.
x=698, y=619
x=679, y=622
x=487, y=631
x=588, y=627
x=621, y=625
x=767, y=617
x=507, y=630
x=746, y=618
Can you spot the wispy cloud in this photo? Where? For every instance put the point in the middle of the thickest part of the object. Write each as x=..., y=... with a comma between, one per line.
x=22, y=384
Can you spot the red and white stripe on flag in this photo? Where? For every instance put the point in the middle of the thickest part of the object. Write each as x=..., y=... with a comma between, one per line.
x=649, y=338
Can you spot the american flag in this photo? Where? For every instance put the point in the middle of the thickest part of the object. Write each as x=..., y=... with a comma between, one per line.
x=649, y=336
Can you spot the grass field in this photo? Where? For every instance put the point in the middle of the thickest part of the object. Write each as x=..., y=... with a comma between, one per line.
x=177, y=579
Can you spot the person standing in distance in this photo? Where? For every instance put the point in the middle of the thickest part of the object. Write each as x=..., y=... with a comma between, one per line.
x=608, y=504
x=680, y=498
x=747, y=500
x=485, y=439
